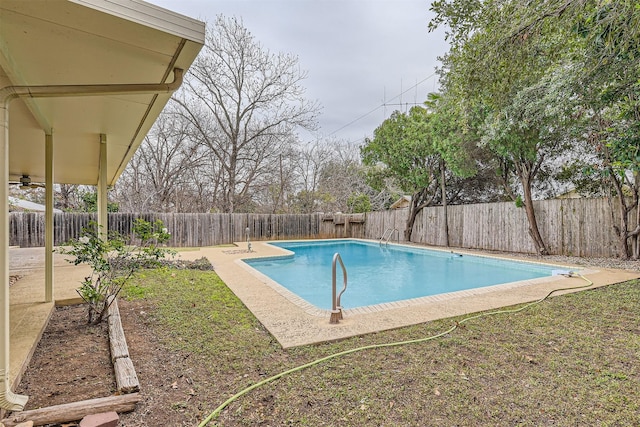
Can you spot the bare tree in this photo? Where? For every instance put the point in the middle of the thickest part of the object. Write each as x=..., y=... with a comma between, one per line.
x=277, y=184
x=161, y=176
x=67, y=197
x=329, y=176
x=343, y=178
x=309, y=162
x=244, y=104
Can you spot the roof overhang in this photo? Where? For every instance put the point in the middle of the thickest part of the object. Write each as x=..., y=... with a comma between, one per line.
x=87, y=42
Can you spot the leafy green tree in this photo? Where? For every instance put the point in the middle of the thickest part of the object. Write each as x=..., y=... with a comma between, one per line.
x=465, y=173
x=425, y=153
x=359, y=203
x=504, y=82
x=535, y=78
x=609, y=84
x=605, y=73
x=529, y=132
x=402, y=150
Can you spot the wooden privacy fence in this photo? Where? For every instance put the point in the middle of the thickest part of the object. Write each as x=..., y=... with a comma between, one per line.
x=577, y=227
x=580, y=227
x=26, y=229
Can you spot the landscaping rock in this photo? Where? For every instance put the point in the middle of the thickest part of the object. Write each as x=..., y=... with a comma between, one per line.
x=24, y=424
x=106, y=419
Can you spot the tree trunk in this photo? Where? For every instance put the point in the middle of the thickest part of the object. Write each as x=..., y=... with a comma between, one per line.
x=636, y=241
x=279, y=196
x=416, y=199
x=623, y=209
x=624, y=245
x=443, y=188
x=230, y=196
x=410, y=221
x=623, y=230
x=534, y=232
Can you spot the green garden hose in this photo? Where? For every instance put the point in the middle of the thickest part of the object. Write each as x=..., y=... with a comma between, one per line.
x=241, y=393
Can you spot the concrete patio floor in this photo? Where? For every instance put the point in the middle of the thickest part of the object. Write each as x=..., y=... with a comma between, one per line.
x=29, y=314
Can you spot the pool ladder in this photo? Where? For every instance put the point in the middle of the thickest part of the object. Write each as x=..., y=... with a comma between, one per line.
x=388, y=234
x=336, y=308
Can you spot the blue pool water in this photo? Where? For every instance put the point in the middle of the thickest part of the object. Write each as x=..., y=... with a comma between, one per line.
x=379, y=274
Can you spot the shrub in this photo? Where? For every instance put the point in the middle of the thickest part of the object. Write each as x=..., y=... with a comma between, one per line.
x=113, y=262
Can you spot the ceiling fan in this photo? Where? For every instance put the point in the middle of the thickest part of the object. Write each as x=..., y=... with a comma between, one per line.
x=26, y=184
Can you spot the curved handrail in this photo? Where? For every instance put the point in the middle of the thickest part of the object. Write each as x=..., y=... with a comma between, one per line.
x=336, y=308
x=387, y=238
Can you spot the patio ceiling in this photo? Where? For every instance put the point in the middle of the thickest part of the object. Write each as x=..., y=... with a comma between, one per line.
x=86, y=42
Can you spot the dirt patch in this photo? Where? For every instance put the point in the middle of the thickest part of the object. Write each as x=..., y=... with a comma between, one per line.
x=72, y=363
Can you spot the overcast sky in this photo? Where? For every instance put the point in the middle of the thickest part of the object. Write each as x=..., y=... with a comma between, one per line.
x=359, y=54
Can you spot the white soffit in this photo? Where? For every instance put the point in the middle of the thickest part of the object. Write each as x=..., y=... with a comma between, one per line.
x=75, y=42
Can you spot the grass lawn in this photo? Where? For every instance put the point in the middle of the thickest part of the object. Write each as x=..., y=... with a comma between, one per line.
x=572, y=360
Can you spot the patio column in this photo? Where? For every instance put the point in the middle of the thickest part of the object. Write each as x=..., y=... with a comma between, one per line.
x=102, y=188
x=48, y=219
x=8, y=400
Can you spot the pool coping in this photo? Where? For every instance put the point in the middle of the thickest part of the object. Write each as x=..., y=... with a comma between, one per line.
x=295, y=322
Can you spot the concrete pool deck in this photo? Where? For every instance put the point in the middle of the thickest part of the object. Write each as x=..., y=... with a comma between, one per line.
x=293, y=322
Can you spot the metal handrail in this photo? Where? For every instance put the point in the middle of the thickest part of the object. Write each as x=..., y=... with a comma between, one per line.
x=336, y=308
x=387, y=238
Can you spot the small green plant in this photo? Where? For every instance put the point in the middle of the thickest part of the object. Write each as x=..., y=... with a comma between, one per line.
x=149, y=238
x=359, y=203
x=113, y=262
x=519, y=202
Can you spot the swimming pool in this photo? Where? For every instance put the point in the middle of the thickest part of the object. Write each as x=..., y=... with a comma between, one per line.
x=380, y=274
